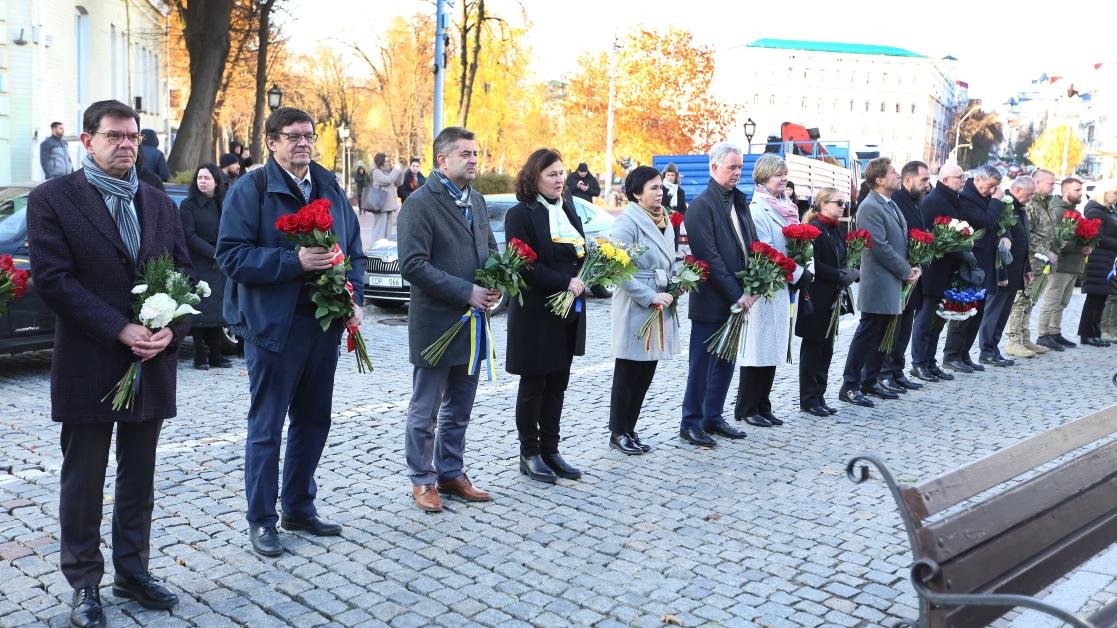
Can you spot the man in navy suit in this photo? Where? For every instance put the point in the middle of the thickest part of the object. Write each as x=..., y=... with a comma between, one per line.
x=90, y=232
x=720, y=230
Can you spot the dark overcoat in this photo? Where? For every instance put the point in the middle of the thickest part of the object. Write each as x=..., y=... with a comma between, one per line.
x=83, y=273
x=713, y=239
x=909, y=207
x=1021, y=256
x=982, y=213
x=537, y=338
x=942, y=201
x=1100, y=261
x=829, y=257
x=201, y=220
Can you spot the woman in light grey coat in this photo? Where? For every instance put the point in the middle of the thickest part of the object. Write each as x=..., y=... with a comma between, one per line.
x=644, y=223
x=769, y=322
x=387, y=179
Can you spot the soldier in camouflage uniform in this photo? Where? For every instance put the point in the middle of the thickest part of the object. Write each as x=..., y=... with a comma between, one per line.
x=1041, y=235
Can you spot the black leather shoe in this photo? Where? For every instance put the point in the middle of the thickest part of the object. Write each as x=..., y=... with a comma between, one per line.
x=849, y=395
x=958, y=366
x=1049, y=342
x=771, y=418
x=995, y=361
x=697, y=436
x=1063, y=341
x=145, y=589
x=220, y=362
x=536, y=469
x=562, y=468
x=201, y=365
x=87, y=611
x=970, y=363
x=879, y=392
x=315, y=525
x=644, y=447
x=891, y=386
x=904, y=382
x=941, y=374
x=1095, y=342
x=265, y=541
x=721, y=428
x=623, y=443
x=829, y=409
x=815, y=410
x=758, y=421
x=924, y=374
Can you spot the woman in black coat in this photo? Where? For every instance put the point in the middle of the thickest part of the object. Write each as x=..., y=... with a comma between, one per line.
x=360, y=182
x=541, y=345
x=1097, y=287
x=201, y=216
x=830, y=278
x=413, y=179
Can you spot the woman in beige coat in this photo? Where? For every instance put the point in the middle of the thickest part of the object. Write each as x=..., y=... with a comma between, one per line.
x=387, y=179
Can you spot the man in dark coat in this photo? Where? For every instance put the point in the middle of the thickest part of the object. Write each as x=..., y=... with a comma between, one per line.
x=721, y=232
x=90, y=233
x=153, y=159
x=942, y=201
x=1011, y=277
x=915, y=178
x=582, y=184
x=980, y=204
x=291, y=360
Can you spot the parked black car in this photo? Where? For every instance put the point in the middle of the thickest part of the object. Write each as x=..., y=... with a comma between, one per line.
x=28, y=325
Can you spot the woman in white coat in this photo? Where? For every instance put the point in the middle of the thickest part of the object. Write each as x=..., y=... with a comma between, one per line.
x=644, y=223
x=765, y=344
x=387, y=179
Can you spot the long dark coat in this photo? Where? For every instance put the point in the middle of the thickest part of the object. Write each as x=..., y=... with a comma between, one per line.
x=942, y=201
x=1021, y=255
x=201, y=219
x=82, y=271
x=982, y=213
x=909, y=207
x=537, y=338
x=1100, y=261
x=713, y=239
x=829, y=257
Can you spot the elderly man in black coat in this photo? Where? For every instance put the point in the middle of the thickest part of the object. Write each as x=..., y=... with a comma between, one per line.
x=1012, y=277
x=90, y=232
x=720, y=230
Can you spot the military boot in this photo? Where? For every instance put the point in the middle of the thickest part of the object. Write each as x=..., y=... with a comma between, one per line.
x=1018, y=350
x=1033, y=347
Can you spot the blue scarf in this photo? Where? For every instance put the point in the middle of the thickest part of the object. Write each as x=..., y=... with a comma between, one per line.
x=119, y=195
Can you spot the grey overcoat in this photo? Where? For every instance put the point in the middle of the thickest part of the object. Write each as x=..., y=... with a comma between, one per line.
x=884, y=266
x=630, y=302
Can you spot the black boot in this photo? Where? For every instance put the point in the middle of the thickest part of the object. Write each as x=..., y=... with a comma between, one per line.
x=200, y=353
x=217, y=357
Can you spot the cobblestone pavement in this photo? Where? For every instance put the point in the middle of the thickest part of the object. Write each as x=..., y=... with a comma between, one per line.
x=765, y=531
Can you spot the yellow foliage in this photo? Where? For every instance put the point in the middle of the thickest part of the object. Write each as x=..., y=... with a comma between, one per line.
x=1052, y=145
x=326, y=146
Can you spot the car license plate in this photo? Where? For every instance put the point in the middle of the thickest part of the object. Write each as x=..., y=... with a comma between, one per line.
x=385, y=282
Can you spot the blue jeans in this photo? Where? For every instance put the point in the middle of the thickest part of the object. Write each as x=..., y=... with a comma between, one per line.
x=707, y=382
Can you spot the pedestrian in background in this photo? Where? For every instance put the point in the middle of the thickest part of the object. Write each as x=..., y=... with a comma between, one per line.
x=1098, y=286
x=385, y=179
x=54, y=153
x=643, y=223
x=230, y=168
x=153, y=159
x=674, y=198
x=201, y=218
x=413, y=179
x=583, y=184
x=542, y=346
x=361, y=181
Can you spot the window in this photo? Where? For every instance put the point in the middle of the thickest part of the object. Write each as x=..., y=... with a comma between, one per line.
x=821, y=75
x=913, y=107
x=897, y=107
x=81, y=39
x=772, y=101
x=756, y=99
x=803, y=103
x=866, y=106
x=851, y=104
x=884, y=78
x=114, y=62
x=882, y=106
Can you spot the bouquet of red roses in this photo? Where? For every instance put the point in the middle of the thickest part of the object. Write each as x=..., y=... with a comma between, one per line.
x=920, y=253
x=501, y=271
x=856, y=243
x=693, y=272
x=13, y=282
x=330, y=290
x=766, y=274
x=800, y=242
x=1086, y=233
x=676, y=219
x=951, y=235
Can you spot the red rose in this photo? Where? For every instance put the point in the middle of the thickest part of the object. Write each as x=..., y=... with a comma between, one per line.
x=287, y=223
x=1072, y=215
x=6, y=262
x=760, y=247
x=676, y=219
x=305, y=221
x=942, y=220
x=689, y=260
x=920, y=236
x=323, y=220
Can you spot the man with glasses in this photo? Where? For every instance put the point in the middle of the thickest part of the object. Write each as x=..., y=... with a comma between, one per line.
x=90, y=233
x=291, y=360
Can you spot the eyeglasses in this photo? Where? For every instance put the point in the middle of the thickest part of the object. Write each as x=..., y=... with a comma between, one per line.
x=295, y=137
x=115, y=137
x=841, y=204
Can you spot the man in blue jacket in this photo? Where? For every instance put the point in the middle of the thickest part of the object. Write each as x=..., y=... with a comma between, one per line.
x=291, y=360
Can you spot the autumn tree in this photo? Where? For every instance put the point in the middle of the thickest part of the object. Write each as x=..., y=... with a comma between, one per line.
x=1058, y=150
x=983, y=131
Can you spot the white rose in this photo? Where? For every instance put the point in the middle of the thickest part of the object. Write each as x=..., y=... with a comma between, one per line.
x=140, y=289
x=157, y=311
x=203, y=288
x=953, y=223
x=185, y=309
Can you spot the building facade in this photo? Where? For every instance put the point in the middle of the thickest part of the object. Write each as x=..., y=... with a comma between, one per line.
x=897, y=100
x=58, y=56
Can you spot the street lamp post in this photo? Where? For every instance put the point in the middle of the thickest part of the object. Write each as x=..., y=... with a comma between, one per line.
x=608, y=190
x=275, y=98
x=343, y=133
x=958, y=133
x=750, y=130
x=439, y=67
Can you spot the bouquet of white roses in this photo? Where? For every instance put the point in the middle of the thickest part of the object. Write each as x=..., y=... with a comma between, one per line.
x=163, y=295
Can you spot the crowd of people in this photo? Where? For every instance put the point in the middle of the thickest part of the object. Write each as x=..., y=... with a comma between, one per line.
x=225, y=235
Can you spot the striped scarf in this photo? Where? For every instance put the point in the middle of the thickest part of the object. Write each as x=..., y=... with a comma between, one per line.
x=119, y=195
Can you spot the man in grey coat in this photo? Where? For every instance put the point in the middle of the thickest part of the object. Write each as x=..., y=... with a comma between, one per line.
x=884, y=270
x=54, y=153
x=444, y=237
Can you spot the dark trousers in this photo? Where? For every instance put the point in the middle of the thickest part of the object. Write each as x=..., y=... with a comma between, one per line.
x=300, y=381
x=441, y=399
x=1089, y=326
x=814, y=364
x=707, y=381
x=961, y=335
x=997, y=310
x=631, y=379
x=207, y=344
x=892, y=365
x=538, y=411
x=85, y=455
x=861, y=369
x=754, y=391
x=925, y=334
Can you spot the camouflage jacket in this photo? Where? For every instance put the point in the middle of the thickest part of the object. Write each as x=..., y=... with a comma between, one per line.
x=1041, y=224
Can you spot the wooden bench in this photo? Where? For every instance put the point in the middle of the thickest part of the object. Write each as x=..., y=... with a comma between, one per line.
x=973, y=565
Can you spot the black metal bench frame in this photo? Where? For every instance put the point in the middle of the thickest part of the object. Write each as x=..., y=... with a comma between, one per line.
x=973, y=566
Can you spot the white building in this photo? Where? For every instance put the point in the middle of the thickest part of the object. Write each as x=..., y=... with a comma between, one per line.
x=867, y=95
x=58, y=56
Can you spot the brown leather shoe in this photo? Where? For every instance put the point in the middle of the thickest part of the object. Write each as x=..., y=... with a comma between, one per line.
x=463, y=488
x=426, y=496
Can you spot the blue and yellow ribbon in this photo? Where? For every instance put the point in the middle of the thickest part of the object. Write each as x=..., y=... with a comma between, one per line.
x=479, y=330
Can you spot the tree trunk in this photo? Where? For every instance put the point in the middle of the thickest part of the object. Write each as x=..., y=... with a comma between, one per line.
x=258, y=115
x=206, y=31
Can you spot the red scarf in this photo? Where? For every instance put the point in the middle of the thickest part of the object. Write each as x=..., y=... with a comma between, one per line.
x=828, y=221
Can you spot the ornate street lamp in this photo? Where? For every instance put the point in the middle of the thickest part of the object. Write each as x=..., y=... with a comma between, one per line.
x=343, y=133
x=750, y=130
x=275, y=98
